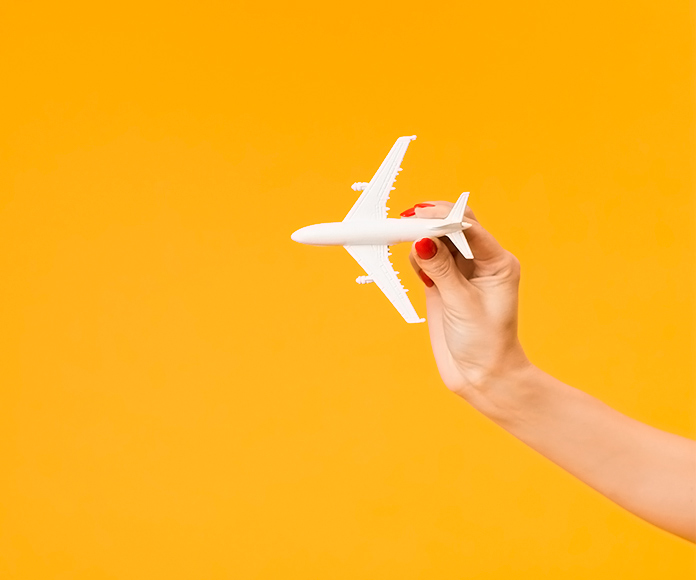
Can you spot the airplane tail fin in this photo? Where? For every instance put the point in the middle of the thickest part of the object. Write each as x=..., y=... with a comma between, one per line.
x=456, y=216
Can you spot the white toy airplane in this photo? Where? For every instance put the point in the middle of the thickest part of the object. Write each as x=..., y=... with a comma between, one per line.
x=367, y=233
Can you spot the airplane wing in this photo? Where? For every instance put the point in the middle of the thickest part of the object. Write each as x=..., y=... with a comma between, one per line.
x=375, y=261
x=372, y=204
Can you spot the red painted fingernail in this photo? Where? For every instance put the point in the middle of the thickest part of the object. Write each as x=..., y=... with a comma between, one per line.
x=426, y=248
x=408, y=212
x=424, y=205
x=426, y=279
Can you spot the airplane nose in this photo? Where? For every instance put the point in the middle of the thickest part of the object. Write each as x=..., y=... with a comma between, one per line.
x=298, y=236
x=311, y=235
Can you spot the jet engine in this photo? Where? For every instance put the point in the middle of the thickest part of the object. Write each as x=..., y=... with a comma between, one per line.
x=364, y=280
x=359, y=186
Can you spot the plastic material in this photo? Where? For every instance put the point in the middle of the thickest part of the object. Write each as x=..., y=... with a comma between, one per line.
x=366, y=232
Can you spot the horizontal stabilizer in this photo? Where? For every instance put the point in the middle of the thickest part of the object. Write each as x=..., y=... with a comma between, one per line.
x=461, y=244
x=456, y=215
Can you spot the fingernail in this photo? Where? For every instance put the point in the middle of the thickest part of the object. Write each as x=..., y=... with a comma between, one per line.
x=408, y=212
x=426, y=248
x=424, y=205
x=426, y=279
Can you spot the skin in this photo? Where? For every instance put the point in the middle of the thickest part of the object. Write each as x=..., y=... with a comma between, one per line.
x=472, y=320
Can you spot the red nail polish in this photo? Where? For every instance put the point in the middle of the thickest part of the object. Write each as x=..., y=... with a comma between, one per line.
x=426, y=279
x=426, y=248
x=410, y=212
x=424, y=205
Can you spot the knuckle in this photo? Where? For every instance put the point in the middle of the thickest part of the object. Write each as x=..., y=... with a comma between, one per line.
x=514, y=264
x=440, y=266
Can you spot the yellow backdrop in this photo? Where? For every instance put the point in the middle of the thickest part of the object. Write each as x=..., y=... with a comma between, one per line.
x=187, y=394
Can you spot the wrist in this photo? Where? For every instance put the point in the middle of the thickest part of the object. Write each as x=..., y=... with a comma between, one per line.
x=506, y=393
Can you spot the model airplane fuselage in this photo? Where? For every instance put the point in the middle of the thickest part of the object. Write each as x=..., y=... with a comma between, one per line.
x=387, y=232
x=366, y=232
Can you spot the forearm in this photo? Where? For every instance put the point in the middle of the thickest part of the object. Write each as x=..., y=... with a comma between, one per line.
x=649, y=472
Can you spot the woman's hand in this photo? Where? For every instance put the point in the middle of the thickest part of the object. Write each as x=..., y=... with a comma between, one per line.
x=472, y=305
x=472, y=316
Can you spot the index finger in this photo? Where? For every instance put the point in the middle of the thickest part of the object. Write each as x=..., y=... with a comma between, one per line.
x=438, y=209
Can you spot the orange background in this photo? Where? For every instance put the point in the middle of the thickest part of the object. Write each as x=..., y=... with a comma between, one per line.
x=187, y=394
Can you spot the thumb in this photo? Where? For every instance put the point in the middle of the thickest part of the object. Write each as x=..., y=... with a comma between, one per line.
x=435, y=259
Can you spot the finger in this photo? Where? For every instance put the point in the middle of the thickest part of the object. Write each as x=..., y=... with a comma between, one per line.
x=433, y=209
x=465, y=265
x=438, y=264
x=428, y=209
x=422, y=275
x=435, y=308
x=436, y=209
x=483, y=245
x=414, y=264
